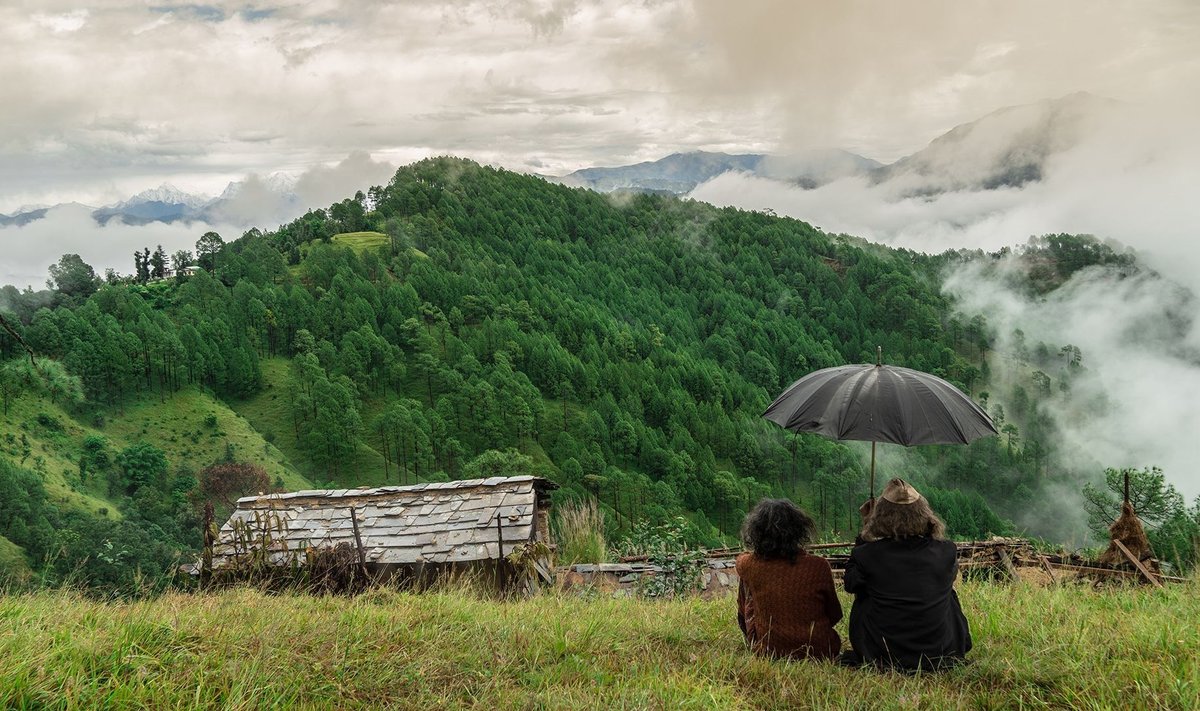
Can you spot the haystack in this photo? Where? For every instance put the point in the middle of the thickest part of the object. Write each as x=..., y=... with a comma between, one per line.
x=1128, y=530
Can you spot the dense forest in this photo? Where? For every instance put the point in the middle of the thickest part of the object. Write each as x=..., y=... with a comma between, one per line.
x=463, y=320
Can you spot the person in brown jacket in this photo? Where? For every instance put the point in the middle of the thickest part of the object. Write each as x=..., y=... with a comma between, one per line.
x=787, y=605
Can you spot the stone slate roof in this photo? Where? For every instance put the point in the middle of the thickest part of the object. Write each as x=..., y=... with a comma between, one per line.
x=444, y=522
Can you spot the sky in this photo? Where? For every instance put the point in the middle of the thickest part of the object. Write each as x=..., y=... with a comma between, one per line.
x=102, y=100
x=99, y=101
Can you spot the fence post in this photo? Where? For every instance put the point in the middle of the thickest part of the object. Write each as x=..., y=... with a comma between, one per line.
x=206, y=559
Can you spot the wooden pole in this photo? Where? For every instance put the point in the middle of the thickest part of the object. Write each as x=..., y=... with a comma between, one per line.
x=207, y=556
x=1046, y=566
x=499, y=553
x=362, y=556
x=1138, y=564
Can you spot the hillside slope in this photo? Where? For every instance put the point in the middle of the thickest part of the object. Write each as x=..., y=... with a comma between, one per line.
x=469, y=320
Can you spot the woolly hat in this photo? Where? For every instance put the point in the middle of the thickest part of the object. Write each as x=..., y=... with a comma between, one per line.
x=899, y=491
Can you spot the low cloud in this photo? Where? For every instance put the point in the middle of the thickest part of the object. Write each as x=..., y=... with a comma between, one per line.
x=29, y=250
x=1133, y=404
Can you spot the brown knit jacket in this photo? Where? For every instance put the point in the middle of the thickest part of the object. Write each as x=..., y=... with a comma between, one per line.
x=788, y=609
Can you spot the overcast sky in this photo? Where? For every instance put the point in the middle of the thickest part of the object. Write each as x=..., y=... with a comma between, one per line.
x=104, y=99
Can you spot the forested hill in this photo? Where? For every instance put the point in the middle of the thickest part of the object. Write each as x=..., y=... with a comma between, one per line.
x=464, y=320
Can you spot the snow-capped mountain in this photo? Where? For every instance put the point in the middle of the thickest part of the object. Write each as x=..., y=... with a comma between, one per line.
x=166, y=203
x=169, y=195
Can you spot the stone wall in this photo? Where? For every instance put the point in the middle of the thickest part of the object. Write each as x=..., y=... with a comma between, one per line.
x=717, y=577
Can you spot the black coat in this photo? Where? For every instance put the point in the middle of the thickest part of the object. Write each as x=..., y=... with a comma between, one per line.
x=906, y=613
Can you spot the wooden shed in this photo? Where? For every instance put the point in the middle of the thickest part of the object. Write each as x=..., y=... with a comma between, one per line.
x=499, y=526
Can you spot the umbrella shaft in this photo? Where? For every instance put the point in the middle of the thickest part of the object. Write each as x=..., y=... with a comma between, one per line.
x=872, y=470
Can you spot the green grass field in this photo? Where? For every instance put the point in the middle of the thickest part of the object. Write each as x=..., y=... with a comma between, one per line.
x=361, y=241
x=1060, y=647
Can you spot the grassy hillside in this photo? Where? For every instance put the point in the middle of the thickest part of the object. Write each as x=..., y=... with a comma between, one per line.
x=48, y=440
x=180, y=425
x=193, y=429
x=14, y=568
x=177, y=424
x=1066, y=647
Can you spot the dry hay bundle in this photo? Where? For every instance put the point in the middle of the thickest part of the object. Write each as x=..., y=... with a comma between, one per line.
x=1129, y=531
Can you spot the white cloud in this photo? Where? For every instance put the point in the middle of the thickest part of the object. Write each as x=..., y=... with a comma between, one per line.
x=66, y=22
x=1135, y=403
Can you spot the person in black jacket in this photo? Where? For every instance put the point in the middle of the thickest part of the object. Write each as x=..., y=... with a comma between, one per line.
x=901, y=572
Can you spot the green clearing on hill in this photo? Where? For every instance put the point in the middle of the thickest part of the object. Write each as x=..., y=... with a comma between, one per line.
x=1059, y=647
x=361, y=241
x=13, y=565
x=179, y=425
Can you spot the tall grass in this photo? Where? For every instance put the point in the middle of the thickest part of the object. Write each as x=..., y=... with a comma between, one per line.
x=1059, y=647
x=579, y=532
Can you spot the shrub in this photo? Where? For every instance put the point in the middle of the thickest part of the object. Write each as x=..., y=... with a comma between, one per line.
x=50, y=422
x=665, y=547
x=225, y=482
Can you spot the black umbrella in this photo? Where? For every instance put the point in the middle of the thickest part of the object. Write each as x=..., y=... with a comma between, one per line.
x=880, y=403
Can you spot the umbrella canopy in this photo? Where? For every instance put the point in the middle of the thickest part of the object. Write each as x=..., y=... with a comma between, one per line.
x=880, y=403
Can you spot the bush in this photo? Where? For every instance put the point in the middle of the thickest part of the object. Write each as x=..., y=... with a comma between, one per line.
x=225, y=482
x=665, y=547
x=141, y=465
x=50, y=422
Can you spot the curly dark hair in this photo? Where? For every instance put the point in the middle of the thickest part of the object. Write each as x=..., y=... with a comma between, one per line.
x=777, y=529
x=913, y=520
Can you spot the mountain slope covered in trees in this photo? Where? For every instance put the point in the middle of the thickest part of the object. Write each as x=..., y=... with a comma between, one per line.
x=467, y=321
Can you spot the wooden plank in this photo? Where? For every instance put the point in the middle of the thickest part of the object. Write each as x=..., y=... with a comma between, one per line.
x=1110, y=571
x=1046, y=565
x=1138, y=564
x=1006, y=563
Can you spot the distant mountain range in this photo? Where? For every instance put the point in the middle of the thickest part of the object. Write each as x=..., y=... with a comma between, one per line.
x=169, y=204
x=1008, y=147
x=680, y=173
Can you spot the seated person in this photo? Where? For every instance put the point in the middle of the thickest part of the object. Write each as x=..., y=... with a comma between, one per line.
x=787, y=605
x=906, y=614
